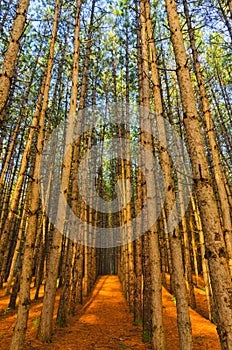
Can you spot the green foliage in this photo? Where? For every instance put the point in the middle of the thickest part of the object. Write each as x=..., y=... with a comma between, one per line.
x=7, y=310
x=138, y=322
x=61, y=323
x=35, y=322
x=146, y=337
x=174, y=300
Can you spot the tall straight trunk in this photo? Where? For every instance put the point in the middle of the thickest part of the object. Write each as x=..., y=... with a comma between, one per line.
x=168, y=251
x=194, y=248
x=15, y=288
x=92, y=214
x=21, y=176
x=65, y=295
x=213, y=234
x=17, y=342
x=204, y=261
x=145, y=102
x=45, y=326
x=10, y=180
x=16, y=252
x=77, y=273
x=217, y=167
x=39, y=273
x=183, y=318
x=11, y=53
x=187, y=251
x=163, y=252
x=11, y=147
x=188, y=268
x=86, y=144
x=138, y=312
x=151, y=238
x=5, y=196
x=128, y=189
x=186, y=241
x=4, y=122
x=77, y=268
x=12, y=234
x=139, y=53
x=62, y=314
x=125, y=215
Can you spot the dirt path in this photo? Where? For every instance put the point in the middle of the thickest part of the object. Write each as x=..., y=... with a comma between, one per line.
x=104, y=322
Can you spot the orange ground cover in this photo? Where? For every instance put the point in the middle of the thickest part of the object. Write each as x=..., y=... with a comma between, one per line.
x=104, y=322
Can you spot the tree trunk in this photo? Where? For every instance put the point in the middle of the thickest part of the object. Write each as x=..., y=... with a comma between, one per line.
x=11, y=53
x=214, y=240
x=17, y=342
x=21, y=177
x=45, y=326
x=183, y=318
x=151, y=242
x=217, y=167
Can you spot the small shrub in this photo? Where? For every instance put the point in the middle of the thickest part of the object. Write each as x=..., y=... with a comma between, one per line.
x=146, y=337
x=7, y=310
x=35, y=322
x=138, y=322
x=174, y=300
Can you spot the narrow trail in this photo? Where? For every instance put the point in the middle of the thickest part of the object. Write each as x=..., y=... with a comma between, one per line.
x=104, y=322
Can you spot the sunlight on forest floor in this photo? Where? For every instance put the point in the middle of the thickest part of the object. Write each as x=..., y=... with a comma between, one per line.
x=104, y=322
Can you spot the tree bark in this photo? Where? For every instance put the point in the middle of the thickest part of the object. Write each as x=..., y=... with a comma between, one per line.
x=214, y=240
x=11, y=53
x=17, y=341
x=151, y=238
x=183, y=318
x=217, y=167
x=45, y=326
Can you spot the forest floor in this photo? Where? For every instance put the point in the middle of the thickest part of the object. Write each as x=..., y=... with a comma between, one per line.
x=104, y=322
